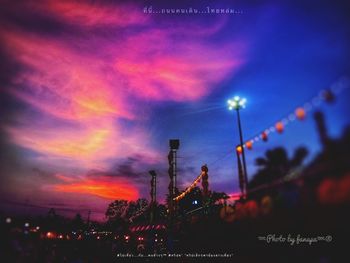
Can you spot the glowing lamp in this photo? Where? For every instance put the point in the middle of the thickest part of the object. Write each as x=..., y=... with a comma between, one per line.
x=264, y=136
x=249, y=145
x=236, y=103
x=251, y=209
x=8, y=220
x=300, y=113
x=239, y=149
x=266, y=205
x=279, y=127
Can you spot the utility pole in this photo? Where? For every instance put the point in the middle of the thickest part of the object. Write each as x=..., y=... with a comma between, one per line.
x=238, y=103
x=174, y=146
x=205, y=183
x=153, y=194
x=88, y=219
x=243, y=154
x=242, y=182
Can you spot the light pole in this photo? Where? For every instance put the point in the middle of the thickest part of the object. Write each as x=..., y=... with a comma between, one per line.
x=238, y=103
x=174, y=146
x=153, y=194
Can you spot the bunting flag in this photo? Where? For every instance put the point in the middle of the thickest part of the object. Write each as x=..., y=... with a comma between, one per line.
x=300, y=113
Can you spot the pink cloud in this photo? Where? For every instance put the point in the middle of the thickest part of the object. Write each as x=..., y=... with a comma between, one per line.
x=91, y=80
x=158, y=65
x=83, y=13
x=61, y=82
x=95, y=14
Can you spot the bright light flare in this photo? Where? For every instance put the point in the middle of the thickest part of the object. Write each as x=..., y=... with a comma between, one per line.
x=236, y=103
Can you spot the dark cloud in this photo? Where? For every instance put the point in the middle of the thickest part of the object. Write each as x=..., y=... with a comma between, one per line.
x=44, y=176
x=30, y=20
x=8, y=68
x=128, y=167
x=137, y=168
x=10, y=161
x=189, y=170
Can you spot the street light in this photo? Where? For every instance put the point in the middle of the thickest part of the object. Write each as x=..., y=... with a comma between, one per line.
x=238, y=103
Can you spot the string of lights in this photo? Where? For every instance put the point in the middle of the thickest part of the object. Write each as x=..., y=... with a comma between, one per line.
x=189, y=189
x=300, y=112
x=326, y=95
x=337, y=88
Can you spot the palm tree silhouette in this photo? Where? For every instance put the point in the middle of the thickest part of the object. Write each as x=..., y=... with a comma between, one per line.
x=276, y=164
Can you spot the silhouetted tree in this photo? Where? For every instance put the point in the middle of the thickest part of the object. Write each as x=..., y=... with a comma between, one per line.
x=117, y=210
x=217, y=196
x=54, y=221
x=122, y=212
x=115, y=214
x=276, y=164
x=78, y=223
x=52, y=213
x=138, y=210
x=192, y=200
x=136, y=207
x=160, y=212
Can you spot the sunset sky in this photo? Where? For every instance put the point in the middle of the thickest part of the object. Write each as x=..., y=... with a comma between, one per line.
x=91, y=93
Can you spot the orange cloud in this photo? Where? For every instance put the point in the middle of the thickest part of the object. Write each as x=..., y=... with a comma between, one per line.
x=107, y=188
x=91, y=146
x=79, y=144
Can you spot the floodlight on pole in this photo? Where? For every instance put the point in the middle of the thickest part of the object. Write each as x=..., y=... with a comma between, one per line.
x=238, y=103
